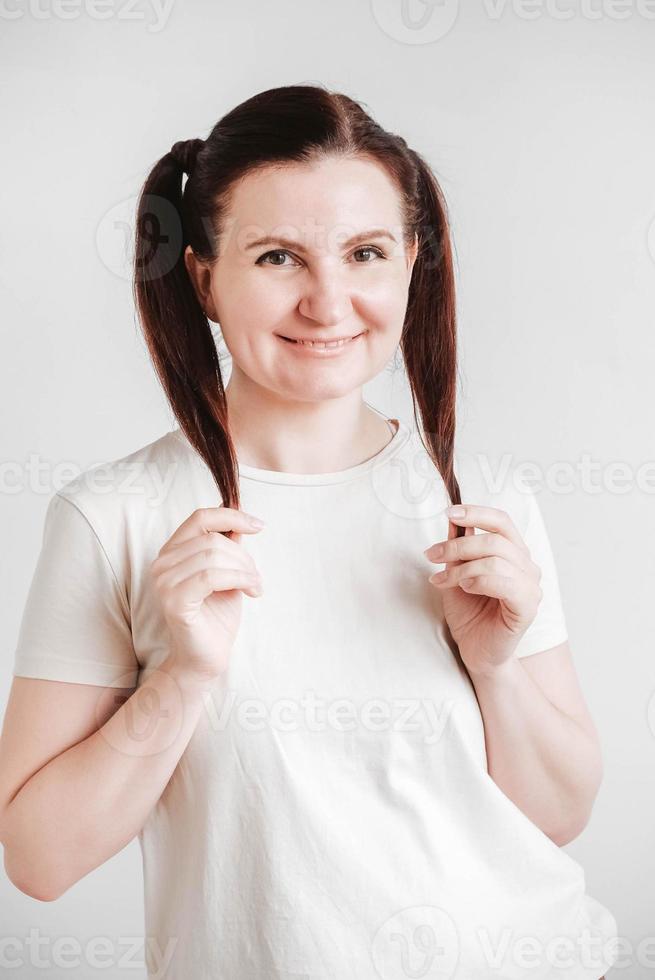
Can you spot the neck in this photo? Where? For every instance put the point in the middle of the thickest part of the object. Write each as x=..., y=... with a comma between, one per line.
x=288, y=436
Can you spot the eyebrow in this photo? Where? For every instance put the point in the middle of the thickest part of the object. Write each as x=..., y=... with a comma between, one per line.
x=289, y=243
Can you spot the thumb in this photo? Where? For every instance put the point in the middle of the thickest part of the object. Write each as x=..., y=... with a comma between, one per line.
x=454, y=531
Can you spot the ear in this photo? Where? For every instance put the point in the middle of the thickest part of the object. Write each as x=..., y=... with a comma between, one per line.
x=200, y=276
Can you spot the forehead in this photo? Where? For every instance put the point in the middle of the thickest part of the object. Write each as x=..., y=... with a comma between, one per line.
x=298, y=199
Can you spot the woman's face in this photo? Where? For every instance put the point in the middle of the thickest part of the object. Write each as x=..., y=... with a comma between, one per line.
x=327, y=270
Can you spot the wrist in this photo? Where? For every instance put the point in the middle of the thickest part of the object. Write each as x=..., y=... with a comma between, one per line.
x=189, y=681
x=503, y=671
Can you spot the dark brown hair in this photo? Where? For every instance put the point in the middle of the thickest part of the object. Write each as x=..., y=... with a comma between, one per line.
x=289, y=124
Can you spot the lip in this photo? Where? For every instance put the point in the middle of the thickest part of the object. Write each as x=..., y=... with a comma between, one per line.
x=327, y=340
x=305, y=349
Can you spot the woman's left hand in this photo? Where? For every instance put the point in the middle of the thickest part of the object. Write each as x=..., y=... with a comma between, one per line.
x=490, y=588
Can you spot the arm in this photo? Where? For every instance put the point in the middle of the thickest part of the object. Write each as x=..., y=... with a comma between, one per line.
x=542, y=747
x=83, y=805
x=83, y=763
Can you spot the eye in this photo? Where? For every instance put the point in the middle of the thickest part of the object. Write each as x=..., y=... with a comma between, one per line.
x=281, y=251
x=277, y=251
x=370, y=248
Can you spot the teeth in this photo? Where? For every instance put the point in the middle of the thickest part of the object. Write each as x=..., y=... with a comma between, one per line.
x=319, y=343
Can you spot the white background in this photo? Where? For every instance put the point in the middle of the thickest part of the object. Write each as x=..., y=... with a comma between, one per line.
x=538, y=121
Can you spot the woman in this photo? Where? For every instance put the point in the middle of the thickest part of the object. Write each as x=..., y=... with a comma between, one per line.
x=366, y=770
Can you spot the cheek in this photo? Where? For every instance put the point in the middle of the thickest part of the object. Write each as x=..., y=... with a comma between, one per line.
x=246, y=314
x=254, y=305
x=383, y=304
x=232, y=293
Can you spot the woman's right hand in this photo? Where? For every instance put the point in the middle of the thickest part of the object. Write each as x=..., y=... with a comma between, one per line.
x=199, y=575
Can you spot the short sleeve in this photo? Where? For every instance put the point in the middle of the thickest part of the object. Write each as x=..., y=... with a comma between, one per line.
x=76, y=621
x=548, y=629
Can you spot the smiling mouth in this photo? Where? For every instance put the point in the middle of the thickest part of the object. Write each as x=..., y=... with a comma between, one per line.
x=322, y=344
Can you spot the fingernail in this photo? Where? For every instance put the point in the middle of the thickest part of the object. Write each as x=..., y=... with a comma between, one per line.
x=255, y=521
x=457, y=511
x=434, y=551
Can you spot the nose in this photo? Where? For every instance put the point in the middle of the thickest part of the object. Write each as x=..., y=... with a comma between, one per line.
x=326, y=297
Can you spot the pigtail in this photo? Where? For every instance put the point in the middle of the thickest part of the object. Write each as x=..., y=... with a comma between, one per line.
x=176, y=329
x=429, y=339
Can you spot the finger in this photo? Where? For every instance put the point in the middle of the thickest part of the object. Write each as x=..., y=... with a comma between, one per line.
x=202, y=558
x=489, y=543
x=490, y=519
x=235, y=554
x=452, y=532
x=192, y=591
x=503, y=587
x=457, y=571
x=454, y=535
x=519, y=601
x=221, y=519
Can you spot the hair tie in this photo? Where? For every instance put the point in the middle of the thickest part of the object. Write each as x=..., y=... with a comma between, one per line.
x=185, y=152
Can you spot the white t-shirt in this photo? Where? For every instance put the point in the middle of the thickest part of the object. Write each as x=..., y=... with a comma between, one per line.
x=332, y=815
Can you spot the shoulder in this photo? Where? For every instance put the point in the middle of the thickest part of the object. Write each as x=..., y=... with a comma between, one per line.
x=130, y=481
x=144, y=493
